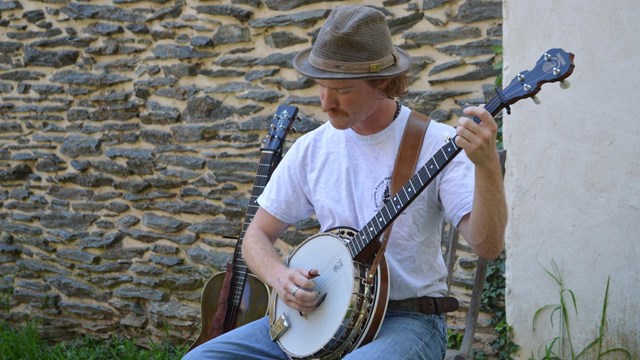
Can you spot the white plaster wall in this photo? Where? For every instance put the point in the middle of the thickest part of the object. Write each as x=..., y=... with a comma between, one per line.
x=573, y=171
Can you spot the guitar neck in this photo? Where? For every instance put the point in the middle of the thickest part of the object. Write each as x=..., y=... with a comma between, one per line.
x=410, y=191
x=268, y=162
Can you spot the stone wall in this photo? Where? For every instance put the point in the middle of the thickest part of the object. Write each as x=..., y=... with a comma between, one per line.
x=130, y=133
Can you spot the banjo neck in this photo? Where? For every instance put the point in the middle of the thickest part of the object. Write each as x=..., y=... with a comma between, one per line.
x=554, y=65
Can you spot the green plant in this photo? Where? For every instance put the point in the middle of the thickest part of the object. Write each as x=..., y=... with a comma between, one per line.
x=493, y=302
x=5, y=298
x=497, y=50
x=25, y=343
x=557, y=347
x=454, y=339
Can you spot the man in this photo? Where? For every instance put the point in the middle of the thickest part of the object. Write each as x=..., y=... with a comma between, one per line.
x=341, y=173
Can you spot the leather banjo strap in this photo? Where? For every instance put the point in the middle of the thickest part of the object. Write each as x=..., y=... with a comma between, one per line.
x=403, y=169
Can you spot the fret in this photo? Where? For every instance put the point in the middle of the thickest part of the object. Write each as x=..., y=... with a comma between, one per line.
x=420, y=174
x=427, y=167
x=443, y=153
x=242, y=271
x=373, y=226
x=365, y=240
x=391, y=209
x=257, y=191
x=451, y=147
x=410, y=188
x=385, y=208
x=398, y=204
x=351, y=246
x=360, y=243
x=406, y=194
x=377, y=222
x=413, y=185
x=403, y=196
x=240, y=265
x=368, y=232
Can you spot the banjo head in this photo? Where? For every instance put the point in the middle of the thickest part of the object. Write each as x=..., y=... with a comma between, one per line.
x=306, y=336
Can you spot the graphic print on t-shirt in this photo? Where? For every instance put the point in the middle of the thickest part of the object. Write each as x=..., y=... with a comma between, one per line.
x=381, y=194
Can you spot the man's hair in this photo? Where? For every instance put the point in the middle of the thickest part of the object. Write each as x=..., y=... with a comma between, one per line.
x=396, y=87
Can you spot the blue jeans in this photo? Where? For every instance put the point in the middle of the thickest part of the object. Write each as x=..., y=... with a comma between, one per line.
x=403, y=336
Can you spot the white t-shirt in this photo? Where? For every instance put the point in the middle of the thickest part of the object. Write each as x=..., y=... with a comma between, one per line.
x=343, y=178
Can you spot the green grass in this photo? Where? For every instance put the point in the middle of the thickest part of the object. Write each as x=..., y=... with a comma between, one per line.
x=562, y=346
x=25, y=343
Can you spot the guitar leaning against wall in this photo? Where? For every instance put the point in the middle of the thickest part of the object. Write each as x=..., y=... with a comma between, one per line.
x=235, y=297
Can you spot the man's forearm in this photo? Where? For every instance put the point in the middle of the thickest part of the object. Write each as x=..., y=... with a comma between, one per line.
x=488, y=218
x=262, y=258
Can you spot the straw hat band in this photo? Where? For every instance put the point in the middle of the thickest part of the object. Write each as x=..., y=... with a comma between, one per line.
x=353, y=67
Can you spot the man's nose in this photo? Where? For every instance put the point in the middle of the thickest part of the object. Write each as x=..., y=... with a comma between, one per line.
x=327, y=100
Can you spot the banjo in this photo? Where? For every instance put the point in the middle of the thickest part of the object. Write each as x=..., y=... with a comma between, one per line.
x=355, y=303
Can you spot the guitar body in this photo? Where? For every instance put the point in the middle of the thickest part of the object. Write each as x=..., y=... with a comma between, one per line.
x=253, y=305
x=352, y=311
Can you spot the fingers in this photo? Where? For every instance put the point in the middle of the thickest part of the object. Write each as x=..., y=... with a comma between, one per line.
x=298, y=290
x=486, y=120
x=477, y=139
x=472, y=134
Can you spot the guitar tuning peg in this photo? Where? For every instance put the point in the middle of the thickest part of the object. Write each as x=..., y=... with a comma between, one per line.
x=536, y=100
x=565, y=84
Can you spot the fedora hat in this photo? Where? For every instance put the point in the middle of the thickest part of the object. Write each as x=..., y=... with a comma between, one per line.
x=353, y=43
